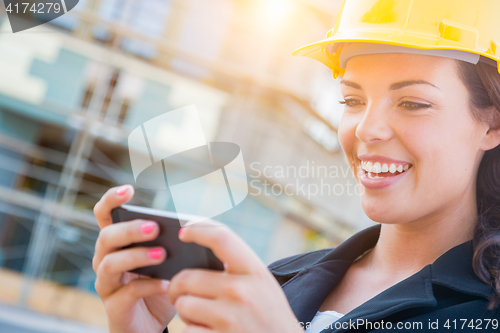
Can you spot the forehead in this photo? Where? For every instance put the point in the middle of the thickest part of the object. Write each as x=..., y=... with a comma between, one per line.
x=390, y=65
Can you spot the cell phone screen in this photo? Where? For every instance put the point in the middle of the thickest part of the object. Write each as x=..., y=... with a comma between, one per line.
x=180, y=255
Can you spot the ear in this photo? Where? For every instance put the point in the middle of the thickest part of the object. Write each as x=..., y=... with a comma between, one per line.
x=492, y=136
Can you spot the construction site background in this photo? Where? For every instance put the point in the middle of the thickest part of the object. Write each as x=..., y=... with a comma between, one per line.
x=73, y=89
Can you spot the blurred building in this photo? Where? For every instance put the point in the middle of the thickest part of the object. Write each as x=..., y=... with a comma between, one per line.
x=72, y=90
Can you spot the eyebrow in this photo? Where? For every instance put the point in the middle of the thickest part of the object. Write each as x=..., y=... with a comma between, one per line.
x=394, y=86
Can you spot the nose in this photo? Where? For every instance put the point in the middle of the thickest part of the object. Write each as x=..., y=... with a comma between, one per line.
x=375, y=124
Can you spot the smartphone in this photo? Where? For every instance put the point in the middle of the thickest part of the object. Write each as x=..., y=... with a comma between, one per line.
x=180, y=255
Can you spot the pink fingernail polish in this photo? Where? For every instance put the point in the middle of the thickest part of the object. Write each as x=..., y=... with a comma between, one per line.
x=181, y=231
x=148, y=227
x=122, y=190
x=155, y=253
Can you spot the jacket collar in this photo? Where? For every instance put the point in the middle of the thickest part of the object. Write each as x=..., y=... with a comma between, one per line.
x=310, y=285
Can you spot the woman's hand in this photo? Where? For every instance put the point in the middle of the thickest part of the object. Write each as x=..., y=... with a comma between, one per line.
x=132, y=303
x=244, y=298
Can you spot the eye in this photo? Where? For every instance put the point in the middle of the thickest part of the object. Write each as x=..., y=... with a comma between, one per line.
x=414, y=106
x=351, y=102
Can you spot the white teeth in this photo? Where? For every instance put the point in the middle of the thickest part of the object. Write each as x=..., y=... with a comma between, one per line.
x=369, y=166
x=370, y=175
x=377, y=167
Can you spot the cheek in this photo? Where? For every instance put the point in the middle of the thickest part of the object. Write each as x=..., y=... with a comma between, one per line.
x=426, y=143
x=347, y=134
x=443, y=158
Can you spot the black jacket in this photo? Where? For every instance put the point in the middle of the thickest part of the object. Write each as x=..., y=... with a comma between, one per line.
x=444, y=296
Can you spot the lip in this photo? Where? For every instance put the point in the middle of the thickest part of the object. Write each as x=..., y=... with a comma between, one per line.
x=380, y=159
x=379, y=183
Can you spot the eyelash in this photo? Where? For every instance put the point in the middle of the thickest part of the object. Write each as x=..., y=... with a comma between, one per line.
x=419, y=105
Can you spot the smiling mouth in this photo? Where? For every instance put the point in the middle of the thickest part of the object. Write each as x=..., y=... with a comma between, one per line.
x=376, y=170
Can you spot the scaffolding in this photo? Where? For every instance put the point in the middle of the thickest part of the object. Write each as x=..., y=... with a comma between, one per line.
x=265, y=100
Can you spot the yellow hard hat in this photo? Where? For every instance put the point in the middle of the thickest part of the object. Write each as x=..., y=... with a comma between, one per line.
x=471, y=26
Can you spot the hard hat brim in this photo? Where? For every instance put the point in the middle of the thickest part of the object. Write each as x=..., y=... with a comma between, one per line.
x=328, y=50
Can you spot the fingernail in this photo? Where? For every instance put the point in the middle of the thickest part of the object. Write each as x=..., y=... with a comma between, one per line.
x=148, y=227
x=155, y=253
x=181, y=231
x=165, y=284
x=122, y=190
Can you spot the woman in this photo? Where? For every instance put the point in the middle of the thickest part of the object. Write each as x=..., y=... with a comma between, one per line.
x=421, y=132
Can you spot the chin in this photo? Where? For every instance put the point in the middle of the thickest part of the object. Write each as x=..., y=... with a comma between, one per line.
x=382, y=211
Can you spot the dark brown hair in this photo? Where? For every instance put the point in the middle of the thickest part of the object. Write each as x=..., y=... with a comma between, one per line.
x=483, y=83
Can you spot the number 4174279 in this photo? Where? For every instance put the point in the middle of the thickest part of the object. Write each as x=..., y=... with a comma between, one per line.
x=35, y=8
